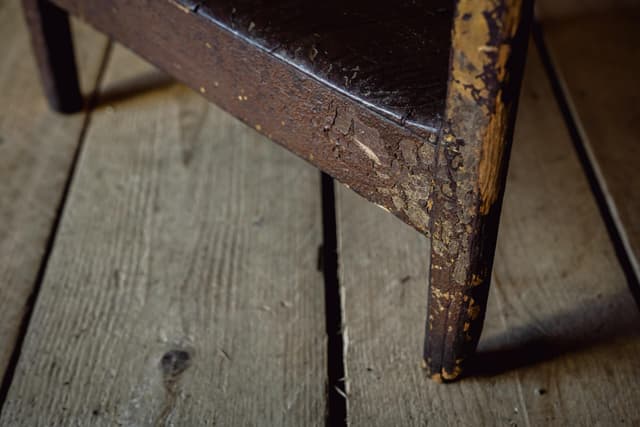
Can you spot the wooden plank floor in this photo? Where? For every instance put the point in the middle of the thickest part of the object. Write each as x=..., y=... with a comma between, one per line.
x=182, y=287
x=37, y=149
x=598, y=59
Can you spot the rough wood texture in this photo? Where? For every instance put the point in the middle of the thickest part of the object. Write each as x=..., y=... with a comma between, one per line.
x=387, y=131
x=488, y=51
x=598, y=58
x=183, y=287
x=385, y=158
x=36, y=150
x=53, y=48
x=562, y=332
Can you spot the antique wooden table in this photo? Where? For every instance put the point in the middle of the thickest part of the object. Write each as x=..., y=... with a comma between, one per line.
x=409, y=103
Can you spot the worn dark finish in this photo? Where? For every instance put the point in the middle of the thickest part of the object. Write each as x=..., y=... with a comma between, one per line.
x=488, y=51
x=393, y=59
x=386, y=161
x=53, y=48
x=413, y=116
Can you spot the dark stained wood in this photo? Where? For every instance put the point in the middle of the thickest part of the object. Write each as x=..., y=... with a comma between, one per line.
x=53, y=48
x=392, y=57
x=387, y=161
x=551, y=10
x=183, y=287
x=488, y=51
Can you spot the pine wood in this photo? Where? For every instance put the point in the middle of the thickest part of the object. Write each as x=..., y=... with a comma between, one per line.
x=562, y=332
x=183, y=287
x=36, y=151
x=598, y=59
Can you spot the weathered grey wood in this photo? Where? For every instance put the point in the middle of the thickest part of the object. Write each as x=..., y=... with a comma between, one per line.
x=183, y=287
x=36, y=151
x=598, y=58
x=570, y=317
x=562, y=332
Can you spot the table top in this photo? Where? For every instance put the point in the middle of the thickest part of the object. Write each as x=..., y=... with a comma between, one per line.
x=392, y=58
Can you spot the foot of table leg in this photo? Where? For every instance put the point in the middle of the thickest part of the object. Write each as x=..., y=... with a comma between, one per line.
x=458, y=291
x=53, y=49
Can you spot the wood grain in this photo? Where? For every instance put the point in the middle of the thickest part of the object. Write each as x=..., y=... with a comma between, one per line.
x=36, y=151
x=598, y=58
x=562, y=332
x=183, y=287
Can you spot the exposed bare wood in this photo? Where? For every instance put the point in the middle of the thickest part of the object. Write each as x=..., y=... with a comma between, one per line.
x=183, y=287
x=562, y=332
x=36, y=152
x=598, y=58
x=488, y=50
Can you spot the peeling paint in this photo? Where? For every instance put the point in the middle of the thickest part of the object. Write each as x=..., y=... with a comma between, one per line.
x=469, y=176
x=368, y=151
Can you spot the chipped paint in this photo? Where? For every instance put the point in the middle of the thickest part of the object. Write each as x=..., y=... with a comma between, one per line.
x=182, y=7
x=368, y=151
x=479, y=71
x=469, y=176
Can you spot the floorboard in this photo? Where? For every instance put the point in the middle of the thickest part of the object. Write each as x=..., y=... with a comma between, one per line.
x=37, y=149
x=183, y=286
x=562, y=333
x=598, y=60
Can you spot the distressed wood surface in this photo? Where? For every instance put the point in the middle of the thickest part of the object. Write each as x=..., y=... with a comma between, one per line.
x=36, y=151
x=598, y=59
x=183, y=287
x=402, y=72
x=562, y=332
x=489, y=44
x=386, y=159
